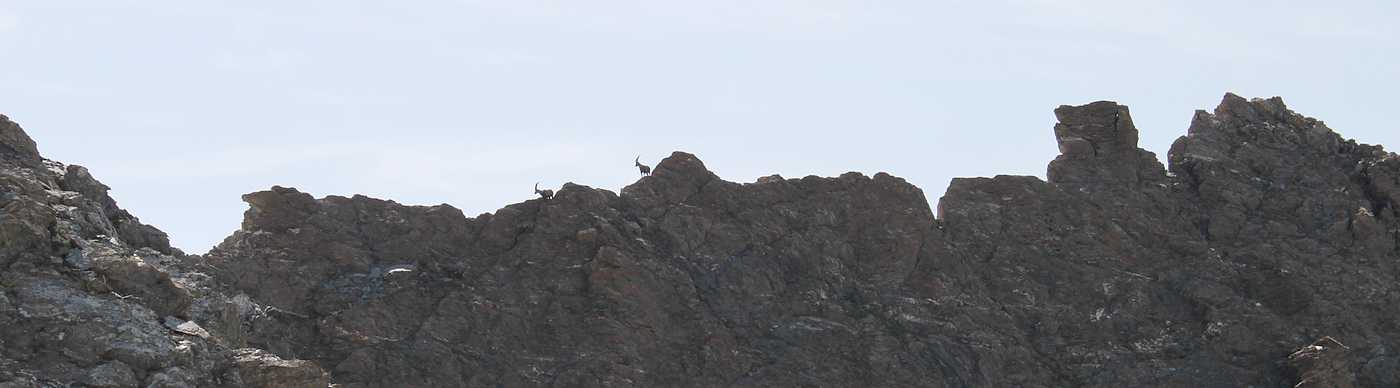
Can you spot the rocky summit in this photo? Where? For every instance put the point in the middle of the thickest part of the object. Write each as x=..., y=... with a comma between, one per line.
x=1262, y=254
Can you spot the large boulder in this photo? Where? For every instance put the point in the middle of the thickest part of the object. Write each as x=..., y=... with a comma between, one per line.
x=256, y=368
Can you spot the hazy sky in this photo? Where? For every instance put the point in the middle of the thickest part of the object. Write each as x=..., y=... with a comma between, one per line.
x=182, y=106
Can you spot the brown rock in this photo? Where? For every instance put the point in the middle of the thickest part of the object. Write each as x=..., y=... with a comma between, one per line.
x=1323, y=364
x=256, y=368
x=131, y=276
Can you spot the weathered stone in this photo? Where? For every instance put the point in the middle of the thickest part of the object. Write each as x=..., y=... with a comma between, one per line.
x=131, y=276
x=14, y=143
x=1323, y=364
x=174, y=377
x=24, y=231
x=185, y=327
x=1105, y=126
x=82, y=283
x=256, y=368
x=1269, y=231
x=107, y=217
x=113, y=374
x=1099, y=149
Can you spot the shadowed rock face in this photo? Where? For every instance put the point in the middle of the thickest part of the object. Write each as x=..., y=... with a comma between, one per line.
x=16, y=145
x=1266, y=243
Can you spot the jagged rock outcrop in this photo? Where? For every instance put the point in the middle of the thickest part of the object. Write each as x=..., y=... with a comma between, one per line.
x=662, y=285
x=1265, y=243
x=1099, y=147
x=85, y=288
x=17, y=146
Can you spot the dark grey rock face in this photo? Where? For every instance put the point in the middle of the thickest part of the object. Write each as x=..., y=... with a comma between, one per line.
x=16, y=145
x=85, y=287
x=1265, y=244
x=1098, y=147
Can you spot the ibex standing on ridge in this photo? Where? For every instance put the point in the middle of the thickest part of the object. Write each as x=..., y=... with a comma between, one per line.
x=645, y=170
x=546, y=194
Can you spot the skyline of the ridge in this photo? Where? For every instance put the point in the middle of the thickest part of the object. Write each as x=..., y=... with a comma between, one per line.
x=181, y=108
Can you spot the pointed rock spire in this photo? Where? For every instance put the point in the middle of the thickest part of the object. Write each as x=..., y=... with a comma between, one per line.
x=13, y=141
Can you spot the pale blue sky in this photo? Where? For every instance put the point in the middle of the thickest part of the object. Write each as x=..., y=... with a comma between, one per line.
x=182, y=106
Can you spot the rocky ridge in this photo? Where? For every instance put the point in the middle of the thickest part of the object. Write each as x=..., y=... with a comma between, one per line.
x=1262, y=254
x=90, y=296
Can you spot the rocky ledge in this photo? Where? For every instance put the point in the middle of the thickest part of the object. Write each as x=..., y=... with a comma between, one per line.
x=1264, y=253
